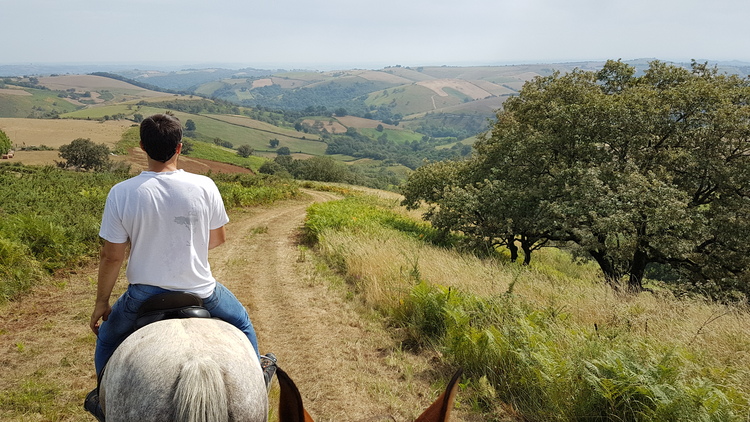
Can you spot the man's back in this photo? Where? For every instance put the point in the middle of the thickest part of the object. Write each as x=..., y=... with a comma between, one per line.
x=167, y=216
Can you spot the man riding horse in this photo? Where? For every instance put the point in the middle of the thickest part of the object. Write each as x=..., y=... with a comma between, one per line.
x=170, y=219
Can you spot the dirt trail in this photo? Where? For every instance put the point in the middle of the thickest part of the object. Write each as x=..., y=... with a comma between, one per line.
x=337, y=359
x=346, y=367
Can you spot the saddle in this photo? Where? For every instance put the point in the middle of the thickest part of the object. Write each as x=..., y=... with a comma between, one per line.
x=170, y=305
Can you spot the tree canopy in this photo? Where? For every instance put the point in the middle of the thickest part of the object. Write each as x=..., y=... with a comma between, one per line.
x=83, y=154
x=631, y=171
x=245, y=151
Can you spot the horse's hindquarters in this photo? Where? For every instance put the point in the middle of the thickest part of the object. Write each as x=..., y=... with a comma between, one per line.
x=206, y=366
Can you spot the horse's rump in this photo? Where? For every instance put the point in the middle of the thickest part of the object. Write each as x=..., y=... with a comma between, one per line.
x=184, y=370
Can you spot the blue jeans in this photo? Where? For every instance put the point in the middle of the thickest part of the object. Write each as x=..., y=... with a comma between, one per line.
x=221, y=304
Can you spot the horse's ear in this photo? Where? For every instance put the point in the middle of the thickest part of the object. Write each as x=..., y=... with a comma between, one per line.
x=440, y=411
x=290, y=400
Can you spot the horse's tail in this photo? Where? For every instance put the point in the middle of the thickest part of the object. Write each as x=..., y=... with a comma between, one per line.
x=200, y=395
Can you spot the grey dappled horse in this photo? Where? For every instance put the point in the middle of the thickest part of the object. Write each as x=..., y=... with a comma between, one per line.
x=201, y=369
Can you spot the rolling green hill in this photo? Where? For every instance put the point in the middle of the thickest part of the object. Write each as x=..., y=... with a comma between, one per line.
x=423, y=96
x=33, y=103
x=375, y=155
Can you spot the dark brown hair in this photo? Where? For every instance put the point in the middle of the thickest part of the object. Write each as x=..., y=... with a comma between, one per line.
x=160, y=136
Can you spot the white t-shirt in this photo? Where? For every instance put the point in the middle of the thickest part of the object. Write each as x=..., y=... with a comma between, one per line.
x=167, y=217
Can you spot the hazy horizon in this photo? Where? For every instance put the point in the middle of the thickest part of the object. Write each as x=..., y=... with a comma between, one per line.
x=333, y=34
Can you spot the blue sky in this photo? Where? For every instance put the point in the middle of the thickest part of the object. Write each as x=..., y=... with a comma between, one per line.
x=328, y=34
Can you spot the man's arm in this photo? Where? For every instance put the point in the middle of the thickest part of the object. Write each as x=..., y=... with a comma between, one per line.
x=216, y=237
x=110, y=260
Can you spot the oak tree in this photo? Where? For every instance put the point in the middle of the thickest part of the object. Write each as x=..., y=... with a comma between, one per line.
x=629, y=171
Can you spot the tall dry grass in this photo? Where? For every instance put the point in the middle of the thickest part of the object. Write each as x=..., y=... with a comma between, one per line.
x=647, y=356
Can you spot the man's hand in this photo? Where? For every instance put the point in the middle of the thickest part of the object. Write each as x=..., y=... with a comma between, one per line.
x=101, y=311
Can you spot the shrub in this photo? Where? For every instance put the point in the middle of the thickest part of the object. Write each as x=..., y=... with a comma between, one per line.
x=5, y=144
x=18, y=270
x=241, y=190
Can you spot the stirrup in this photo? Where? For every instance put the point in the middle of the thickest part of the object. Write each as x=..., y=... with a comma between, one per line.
x=268, y=365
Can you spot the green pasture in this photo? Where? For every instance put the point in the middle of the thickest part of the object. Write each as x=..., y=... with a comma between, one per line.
x=208, y=89
x=95, y=113
x=224, y=155
x=342, y=157
x=395, y=135
x=37, y=104
x=262, y=126
x=304, y=76
x=467, y=141
x=410, y=99
x=243, y=95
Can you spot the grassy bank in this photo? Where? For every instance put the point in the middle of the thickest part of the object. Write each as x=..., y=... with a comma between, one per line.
x=547, y=342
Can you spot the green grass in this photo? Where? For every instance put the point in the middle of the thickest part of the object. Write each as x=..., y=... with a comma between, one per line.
x=411, y=99
x=458, y=94
x=224, y=155
x=264, y=127
x=37, y=104
x=49, y=220
x=95, y=113
x=208, y=89
x=33, y=397
x=397, y=136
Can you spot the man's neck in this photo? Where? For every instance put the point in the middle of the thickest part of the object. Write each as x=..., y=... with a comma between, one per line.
x=159, y=167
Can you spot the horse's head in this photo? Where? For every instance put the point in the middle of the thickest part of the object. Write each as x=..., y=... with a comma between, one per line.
x=292, y=410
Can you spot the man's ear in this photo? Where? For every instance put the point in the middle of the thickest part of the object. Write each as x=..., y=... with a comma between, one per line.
x=179, y=148
x=141, y=144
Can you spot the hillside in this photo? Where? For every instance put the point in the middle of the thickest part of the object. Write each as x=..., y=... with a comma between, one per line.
x=378, y=154
x=435, y=101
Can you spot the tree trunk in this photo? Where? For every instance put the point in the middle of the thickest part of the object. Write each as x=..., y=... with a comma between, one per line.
x=511, y=244
x=526, y=246
x=611, y=275
x=637, y=269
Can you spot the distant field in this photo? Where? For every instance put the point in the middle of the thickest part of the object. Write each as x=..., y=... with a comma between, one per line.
x=14, y=91
x=255, y=124
x=329, y=124
x=26, y=102
x=101, y=111
x=56, y=132
x=465, y=87
x=411, y=99
x=360, y=123
x=94, y=83
x=397, y=136
x=209, y=88
x=487, y=106
x=371, y=75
